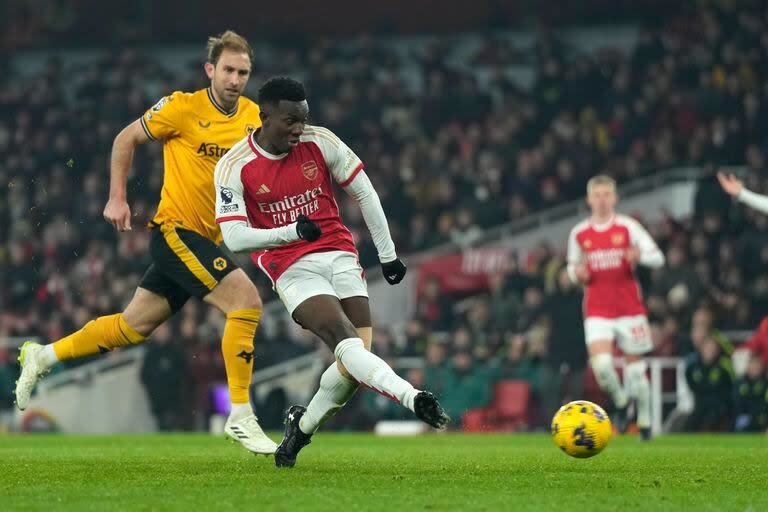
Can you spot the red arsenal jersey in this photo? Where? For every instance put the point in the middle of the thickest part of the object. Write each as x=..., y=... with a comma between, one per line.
x=270, y=191
x=612, y=290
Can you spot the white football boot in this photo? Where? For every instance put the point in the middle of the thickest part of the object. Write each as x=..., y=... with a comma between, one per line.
x=32, y=371
x=248, y=433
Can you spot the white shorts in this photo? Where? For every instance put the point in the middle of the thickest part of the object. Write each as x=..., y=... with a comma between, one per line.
x=632, y=333
x=336, y=273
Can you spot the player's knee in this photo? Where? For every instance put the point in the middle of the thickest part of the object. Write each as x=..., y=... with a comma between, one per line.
x=252, y=300
x=602, y=366
x=248, y=298
x=636, y=376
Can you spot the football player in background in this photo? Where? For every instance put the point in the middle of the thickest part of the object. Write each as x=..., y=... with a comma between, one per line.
x=603, y=252
x=196, y=129
x=275, y=197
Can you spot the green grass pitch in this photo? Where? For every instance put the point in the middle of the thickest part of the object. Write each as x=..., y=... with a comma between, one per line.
x=346, y=472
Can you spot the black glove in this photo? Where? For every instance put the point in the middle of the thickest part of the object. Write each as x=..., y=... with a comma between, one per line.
x=394, y=271
x=307, y=230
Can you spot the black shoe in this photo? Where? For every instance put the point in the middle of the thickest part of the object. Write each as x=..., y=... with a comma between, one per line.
x=429, y=410
x=621, y=418
x=645, y=434
x=294, y=439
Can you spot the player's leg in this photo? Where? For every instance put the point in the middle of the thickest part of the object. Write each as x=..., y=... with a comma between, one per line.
x=635, y=340
x=205, y=271
x=599, y=336
x=150, y=306
x=237, y=297
x=323, y=315
x=337, y=386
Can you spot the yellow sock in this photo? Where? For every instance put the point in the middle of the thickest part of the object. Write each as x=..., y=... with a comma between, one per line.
x=97, y=336
x=237, y=348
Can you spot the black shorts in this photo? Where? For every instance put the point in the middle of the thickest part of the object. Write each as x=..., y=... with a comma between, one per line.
x=184, y=265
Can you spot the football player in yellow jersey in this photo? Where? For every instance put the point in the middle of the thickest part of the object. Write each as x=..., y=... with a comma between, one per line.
x=196, y=129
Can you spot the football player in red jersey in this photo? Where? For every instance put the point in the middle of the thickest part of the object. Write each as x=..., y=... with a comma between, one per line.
x=603, y=252
x=275, y=199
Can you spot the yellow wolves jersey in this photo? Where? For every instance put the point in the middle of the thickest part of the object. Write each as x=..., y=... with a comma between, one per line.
x=196, y=131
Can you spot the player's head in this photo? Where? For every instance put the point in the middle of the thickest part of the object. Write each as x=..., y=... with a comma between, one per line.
x=601, y=195
x=229, y=65
x=284, y=112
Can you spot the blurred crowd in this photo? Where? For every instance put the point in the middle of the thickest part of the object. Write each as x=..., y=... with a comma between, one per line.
x=453, y=145
x=528, y=325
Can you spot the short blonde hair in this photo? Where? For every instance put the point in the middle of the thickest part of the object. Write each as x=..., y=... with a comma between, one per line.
x=229, y=40
x=600, y=179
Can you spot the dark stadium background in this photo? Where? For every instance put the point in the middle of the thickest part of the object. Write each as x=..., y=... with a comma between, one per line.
x=456, y=145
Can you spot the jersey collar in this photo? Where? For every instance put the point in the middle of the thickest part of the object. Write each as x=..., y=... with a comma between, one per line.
x=218, y=106
x=604, y=225
x=261, y=151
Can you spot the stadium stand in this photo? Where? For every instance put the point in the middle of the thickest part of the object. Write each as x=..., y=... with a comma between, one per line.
x=456, y=144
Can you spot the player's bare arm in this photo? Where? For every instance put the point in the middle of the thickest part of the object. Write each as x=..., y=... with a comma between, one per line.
x=735, y=188
x=117, y=211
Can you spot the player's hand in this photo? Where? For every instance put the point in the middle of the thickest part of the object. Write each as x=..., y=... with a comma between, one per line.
x=582, y=273
x=307, y=230
x=394, y=271
x=730, y=183
x=633, y=255
x=118, y=213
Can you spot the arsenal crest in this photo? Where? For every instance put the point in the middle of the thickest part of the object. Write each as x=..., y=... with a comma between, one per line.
x=309, y=170
x=617, y=239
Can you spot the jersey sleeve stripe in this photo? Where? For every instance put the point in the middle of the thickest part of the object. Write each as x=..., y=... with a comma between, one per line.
x=352, y=176
x=234, y=160
x=324, y=134
x=146, y=128
x=231, y=217
x=228, y=162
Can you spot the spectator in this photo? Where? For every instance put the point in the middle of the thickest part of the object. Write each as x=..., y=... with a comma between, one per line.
x=433, y=307
x=465, y=232
x=416, y=339
x=517, y=364
x=504, y=303
x=751, y=398
x=467, y=387
x=710, y=377
x=562, y=371
x=163, y=374
x=7, y=381
x=435, y=368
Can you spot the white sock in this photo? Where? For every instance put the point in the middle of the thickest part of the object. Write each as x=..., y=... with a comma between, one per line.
x=335, y=391
x=373, y=372
x=608, y=379
x=640, y=389
x=47, y=356
x=240, y=411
